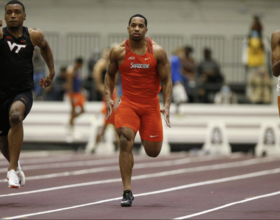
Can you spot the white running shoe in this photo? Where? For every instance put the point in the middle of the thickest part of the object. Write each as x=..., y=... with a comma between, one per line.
x=20, y=175
x=14, y=181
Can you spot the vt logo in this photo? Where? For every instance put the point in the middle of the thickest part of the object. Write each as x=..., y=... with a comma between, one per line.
x=12, y=46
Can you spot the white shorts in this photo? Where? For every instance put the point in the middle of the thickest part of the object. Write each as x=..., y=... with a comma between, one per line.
x=179, y=93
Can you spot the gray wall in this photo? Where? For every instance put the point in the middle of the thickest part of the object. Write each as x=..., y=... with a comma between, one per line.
x=184, y=18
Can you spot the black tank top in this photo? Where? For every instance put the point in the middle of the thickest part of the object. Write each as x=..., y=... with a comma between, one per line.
x=16, y=67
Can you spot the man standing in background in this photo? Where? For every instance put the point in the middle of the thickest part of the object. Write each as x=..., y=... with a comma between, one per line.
x=179, y=91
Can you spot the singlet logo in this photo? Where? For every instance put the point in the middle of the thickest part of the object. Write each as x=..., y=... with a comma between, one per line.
x=131, y=58
x=139, y=66
x=12, y=46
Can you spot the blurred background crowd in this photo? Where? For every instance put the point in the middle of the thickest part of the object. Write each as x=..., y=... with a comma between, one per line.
x=195, y=81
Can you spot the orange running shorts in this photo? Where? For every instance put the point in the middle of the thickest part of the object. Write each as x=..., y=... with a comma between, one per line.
x=142, y=117
x=79, y=99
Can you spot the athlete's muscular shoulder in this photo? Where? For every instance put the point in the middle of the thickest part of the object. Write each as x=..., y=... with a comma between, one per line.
x=118, y=52
x=275, y=39
x=36, y=36
x=159, y=53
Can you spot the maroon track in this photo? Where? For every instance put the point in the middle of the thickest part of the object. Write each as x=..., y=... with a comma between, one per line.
x=172, y=204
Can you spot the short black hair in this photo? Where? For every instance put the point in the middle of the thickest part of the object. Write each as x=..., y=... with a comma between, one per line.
x=79, y=60
x=138, y=15
x=15, y=2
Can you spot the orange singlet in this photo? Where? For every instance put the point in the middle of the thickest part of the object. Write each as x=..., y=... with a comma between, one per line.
x=139, y=107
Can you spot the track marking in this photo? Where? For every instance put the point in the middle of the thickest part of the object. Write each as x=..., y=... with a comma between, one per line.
x=114, y=168
x=228, y=205
x=106, y=161
x=80, y=163
x=153, y=164
x=67, y=164
x=41, y=160
x=222, y=180
x=146, y=176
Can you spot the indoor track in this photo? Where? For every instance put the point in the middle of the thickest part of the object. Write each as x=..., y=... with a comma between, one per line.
x=65, y=185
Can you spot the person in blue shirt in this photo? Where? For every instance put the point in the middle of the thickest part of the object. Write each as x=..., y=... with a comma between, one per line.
x=179, y=93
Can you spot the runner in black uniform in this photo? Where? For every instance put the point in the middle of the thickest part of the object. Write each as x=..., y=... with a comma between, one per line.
x=16, y=81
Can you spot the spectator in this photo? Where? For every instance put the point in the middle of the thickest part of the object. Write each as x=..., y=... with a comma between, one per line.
x=255, y=51
x=261, y=86
x=225, y=96
x=188, y=71
x=59, y=86
x=39, y=72
x=179, y=92
x=209, y=77
x=257, y=26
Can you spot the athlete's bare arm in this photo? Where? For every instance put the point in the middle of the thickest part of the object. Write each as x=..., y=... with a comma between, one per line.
x=1, y=31
x=38, y=39
x=164, y=71
x=97, y=74
x=275, y=58
x=117, y=55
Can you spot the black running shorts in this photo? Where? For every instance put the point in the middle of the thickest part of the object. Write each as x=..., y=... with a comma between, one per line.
x=5, y=106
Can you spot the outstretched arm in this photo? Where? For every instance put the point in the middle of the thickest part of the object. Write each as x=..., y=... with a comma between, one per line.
x=275, y=58
x=110, y=81
x=164, y=71
x=37, y=38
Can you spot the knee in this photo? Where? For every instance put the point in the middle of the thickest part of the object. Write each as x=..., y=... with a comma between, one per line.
x=15, y=118
x=153, y=154
x=124, y=143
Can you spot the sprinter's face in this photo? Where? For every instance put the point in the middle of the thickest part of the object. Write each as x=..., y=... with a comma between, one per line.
x=137, y=29
x=14, y=16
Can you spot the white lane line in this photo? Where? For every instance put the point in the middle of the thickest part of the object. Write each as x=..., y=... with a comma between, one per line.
x=150, y=165
x=94, y=161
x=228, y=205
x=228, y=179
x=66, y=164
x=114, y=168
x=42, y=160
x=144, y=176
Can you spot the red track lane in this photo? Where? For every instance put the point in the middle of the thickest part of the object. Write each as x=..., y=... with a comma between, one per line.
x=158, y=206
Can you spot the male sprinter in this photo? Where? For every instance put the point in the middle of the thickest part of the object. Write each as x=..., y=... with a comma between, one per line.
x=142, y=64
x=16, y=81
x=275, y=58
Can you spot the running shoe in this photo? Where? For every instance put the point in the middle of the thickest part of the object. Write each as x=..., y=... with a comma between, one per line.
x=20, y=175
x=14, y=181
x=127, y=198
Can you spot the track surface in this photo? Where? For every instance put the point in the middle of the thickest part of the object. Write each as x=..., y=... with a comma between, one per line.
x=65, y=185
